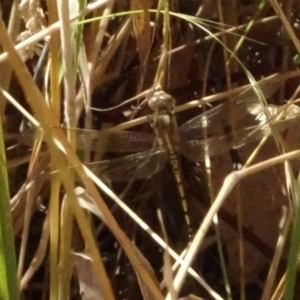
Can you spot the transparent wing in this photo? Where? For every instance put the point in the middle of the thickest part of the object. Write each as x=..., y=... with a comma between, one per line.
x=216, y=118
x=196, y=150
x=131, y=167
x=115, y=141
x=103, y=140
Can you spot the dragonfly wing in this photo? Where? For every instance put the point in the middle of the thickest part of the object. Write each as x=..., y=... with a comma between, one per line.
x=216, y=118
x=115, y=141
x=206, y=123
x=131, y=167
x=197, y=150
x=103, y=140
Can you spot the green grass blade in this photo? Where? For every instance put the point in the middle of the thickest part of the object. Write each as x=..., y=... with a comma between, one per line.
x=9, y=288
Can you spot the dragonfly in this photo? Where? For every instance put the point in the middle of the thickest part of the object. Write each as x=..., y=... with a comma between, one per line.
x=197, y=139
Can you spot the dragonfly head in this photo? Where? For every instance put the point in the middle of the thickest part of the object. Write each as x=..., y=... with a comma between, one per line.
x=161, y=101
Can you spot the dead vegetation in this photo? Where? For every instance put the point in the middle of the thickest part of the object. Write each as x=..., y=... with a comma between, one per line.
x=71, y=68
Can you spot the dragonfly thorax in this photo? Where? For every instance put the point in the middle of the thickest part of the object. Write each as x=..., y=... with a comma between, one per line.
x=163, y=124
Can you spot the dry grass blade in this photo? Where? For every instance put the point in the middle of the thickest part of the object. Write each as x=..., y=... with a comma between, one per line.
x=153, y=235
x=141, y=27
x=38, y=257
x=229, y=183
x=46, y=118
x=53, y=28
x=66, y=71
